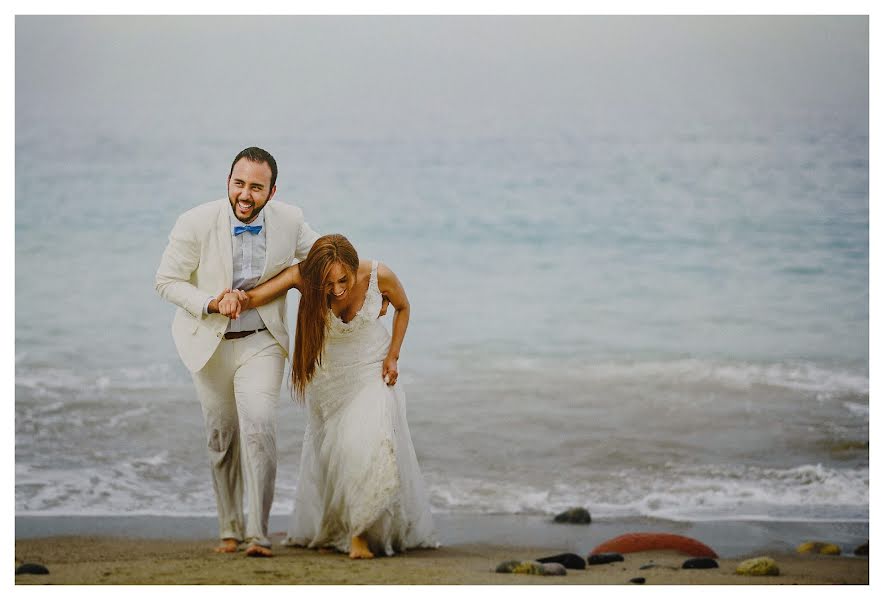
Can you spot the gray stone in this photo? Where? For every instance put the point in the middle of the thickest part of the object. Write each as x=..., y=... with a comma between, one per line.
x=604, y=558
x=568, y=560
x=574, y=515
x=31, y=569
x=554, y=569
x=700, y=563
x=507, y=566
x=530, y=567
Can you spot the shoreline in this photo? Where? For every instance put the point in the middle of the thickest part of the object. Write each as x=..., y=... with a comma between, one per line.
x=171, y=550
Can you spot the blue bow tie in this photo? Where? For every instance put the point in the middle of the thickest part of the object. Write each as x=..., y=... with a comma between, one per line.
x=243, y=228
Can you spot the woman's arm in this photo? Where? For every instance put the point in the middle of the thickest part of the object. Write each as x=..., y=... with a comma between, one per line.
x=391, y=287
x=237, y=301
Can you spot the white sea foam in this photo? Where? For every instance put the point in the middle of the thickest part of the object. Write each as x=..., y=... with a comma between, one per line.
x=55, y=383
x=118, y=419
x=807, y=492
x=795, y=376
x=739, y=492
x=859, y=410
x=823, y=381
x=161, y=483
x=117, y=478
x=733, y=492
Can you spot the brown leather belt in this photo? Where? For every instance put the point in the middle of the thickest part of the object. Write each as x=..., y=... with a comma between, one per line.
x=235, y=335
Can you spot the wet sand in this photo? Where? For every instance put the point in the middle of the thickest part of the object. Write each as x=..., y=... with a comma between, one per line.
x=185, y=558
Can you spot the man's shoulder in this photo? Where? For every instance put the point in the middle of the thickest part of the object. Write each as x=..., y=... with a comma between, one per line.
x=204, y=215
x=285, y=211
x=207, y=208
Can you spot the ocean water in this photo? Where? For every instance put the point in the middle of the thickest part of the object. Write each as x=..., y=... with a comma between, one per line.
x=662, y=316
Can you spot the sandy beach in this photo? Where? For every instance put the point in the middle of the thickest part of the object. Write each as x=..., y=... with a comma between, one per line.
x=101, y=560
x=184, y=558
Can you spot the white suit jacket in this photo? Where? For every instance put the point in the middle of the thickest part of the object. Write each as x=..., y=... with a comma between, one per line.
x=198, y=263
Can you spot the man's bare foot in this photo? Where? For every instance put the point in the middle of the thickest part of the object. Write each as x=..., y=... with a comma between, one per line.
x=359, y=548
x=258, y=551
x=228, y=546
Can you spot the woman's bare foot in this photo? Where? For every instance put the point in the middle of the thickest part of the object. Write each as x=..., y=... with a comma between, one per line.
x=359, y=548
x=228, y=546
x=258, y=551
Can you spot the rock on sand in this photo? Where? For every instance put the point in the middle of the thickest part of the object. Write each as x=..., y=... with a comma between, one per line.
x=761, y=565
x=574, y=515
x=819, y=548
x=642, y=542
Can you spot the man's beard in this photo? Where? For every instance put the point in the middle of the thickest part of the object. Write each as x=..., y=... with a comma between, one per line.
x=254, y=214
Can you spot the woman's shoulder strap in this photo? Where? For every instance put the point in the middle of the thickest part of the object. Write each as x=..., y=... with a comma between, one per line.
x=373, y=280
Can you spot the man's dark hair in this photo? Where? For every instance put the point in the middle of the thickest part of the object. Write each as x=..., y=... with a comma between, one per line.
x=257, y=155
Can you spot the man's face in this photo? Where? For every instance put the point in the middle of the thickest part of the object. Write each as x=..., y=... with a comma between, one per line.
x=248, y=188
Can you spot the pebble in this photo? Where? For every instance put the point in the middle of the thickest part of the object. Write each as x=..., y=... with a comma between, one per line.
x=530, y=567
x=605, y=558
x=762, y=565
x=568, y=560
x=862, y=550
x=31, y=569
x=554, y=569
x=507, y=566
x=819, y=548
x=700, y=563
x=574, y=515
x=638, y=580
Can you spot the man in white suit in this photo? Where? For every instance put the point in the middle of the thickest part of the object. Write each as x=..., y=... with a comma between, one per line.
x=237, y=365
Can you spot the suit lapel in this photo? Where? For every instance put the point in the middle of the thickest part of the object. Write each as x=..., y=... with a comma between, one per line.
x=272, y=235
x=225, y=244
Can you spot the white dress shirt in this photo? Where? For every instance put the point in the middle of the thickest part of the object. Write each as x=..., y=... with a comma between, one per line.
x=249, y=255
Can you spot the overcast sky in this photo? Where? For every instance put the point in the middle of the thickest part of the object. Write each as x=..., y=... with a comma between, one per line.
x=385, y=74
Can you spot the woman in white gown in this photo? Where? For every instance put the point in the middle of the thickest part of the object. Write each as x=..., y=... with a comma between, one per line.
x=360, y=488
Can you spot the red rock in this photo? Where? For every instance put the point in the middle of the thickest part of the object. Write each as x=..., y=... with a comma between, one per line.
x=641, y=542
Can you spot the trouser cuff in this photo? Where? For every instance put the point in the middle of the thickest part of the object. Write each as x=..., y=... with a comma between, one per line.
x=260, y=541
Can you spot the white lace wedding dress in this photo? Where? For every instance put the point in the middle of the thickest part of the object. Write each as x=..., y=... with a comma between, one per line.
x=359, y=473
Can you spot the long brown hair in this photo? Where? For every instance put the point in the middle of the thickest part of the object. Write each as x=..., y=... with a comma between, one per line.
x=313, y=308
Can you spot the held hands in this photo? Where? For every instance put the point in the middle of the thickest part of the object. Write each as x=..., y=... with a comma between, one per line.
x=390, y=370
x=232, y=303
x=213, y=307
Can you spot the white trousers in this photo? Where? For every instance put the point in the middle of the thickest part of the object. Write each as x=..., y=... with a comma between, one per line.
x=239, y=393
